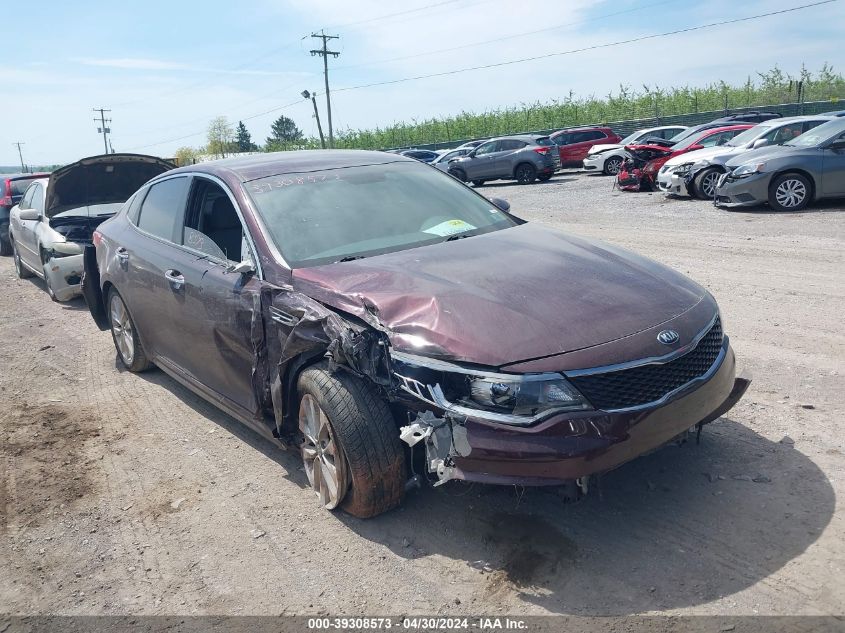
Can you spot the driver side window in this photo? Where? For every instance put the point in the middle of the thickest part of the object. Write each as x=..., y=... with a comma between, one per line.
x=487, y=148
x=37, y=199
x=212, y=225
x=26, y=201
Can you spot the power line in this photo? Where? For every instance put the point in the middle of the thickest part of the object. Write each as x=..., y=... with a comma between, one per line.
x=192, y=135
x=324, y=53
x=505, y=37
x=392, y=15
x=586, y=48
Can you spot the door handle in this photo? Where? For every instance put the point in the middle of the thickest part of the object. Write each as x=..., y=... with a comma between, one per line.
x=122, y=253
x=175, y=279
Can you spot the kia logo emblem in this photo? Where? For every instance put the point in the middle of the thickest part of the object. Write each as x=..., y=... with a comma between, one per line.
x=668, y=337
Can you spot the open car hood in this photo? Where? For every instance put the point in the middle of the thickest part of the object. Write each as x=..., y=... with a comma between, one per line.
x=104, y=179
x=502, y=297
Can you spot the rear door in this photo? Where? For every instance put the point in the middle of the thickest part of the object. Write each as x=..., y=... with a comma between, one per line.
x=152, y=259
x=581, y=143
x=503, y=159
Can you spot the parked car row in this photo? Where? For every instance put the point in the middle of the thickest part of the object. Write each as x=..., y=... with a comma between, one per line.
x=342, y=302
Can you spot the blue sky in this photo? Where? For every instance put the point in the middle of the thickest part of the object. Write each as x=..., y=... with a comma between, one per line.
x=166, y=68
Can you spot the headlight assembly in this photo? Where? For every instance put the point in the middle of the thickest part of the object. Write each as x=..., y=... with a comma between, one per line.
x=507, y=398
x=744, y=171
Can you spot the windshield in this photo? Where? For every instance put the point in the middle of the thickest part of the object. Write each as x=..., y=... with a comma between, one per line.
x=340, y=214
x=544, y=141
x=19, y=186
x=684, y=134
x=636, y=136
x=690, y=140
x=818, y=134
x=751, y=134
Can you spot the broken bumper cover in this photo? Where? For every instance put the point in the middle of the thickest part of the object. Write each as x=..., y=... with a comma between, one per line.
x=65, y=275
x=569, y=446
x=594, y=162
x=742, y=192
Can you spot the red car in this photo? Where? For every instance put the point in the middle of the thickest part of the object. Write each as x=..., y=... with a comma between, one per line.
x=658, y=155
x=575, y=143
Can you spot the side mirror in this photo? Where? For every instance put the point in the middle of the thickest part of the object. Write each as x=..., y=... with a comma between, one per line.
x=760, y=142
x=246, y=267
x=29, y=214
x=837, y=145
x=502, y=205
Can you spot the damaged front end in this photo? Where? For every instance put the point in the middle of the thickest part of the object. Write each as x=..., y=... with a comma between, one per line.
x=444, y=395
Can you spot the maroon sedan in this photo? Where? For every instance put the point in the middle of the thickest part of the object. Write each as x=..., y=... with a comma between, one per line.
x=386, y=319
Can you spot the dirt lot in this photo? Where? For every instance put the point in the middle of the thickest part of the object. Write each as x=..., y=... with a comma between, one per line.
x=125, y=493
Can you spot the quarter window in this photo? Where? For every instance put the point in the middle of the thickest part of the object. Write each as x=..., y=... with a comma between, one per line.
x=161, y=212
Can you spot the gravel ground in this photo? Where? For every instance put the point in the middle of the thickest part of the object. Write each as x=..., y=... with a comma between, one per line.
x=126, y=494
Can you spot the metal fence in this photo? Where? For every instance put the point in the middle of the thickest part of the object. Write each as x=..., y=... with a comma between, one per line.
x=626, y=127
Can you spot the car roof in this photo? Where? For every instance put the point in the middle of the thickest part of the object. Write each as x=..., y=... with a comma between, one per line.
x=42, y=174
x=585, y=128
x=254, y=166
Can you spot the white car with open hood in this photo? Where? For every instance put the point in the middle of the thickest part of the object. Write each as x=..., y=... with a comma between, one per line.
x=607, y=158
x=54, y=221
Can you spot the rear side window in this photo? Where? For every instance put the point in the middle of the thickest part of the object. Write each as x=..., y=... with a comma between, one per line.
x=510, y=144
x=592, y=135
x=20, y=185
x=163, y=207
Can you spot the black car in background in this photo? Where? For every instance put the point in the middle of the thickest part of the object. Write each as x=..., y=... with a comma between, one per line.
x=749, y=117
x=422, y=155
x=12, y=187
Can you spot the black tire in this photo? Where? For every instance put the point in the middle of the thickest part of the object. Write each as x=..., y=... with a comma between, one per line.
x=544, y=177
x=460, y=174
x=612, y=166
x=22, y=271
x=477, y=183
x=704, y=183
x=138, y=361
x=5, y=243
x=525, y=174
x=368, y=437
x=780, y=198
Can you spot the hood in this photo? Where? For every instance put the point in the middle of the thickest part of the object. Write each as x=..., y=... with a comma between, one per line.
x=761, y=154
x=604, y=147
x=706, y=154
x=498, y=298
x=109, y=178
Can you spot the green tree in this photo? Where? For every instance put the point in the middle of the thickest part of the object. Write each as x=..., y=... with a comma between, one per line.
x=244, y=139
x=283, y=135
x=221, y=137
x=185, y=156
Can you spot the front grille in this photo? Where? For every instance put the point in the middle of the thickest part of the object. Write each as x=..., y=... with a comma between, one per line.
x=649, y=383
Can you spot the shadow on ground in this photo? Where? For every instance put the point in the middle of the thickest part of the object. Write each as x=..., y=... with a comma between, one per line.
x=681, y=527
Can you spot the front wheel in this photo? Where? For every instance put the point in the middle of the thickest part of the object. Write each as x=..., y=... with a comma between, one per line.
x=525, y=174
x=125, y=335
x=478, y=183
x=22, y=271
x=704, y=183
x=350, y=447
x=612, y=165
x=460, y=174
x=789, y=192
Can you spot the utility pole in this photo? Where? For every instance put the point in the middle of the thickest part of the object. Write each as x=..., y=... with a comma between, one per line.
x=23, y=167
x=313, y=97
x=324, y=53
x=103, y=129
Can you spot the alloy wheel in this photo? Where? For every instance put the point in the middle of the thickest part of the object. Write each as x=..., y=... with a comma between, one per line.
x=121, y=326
x=708, y=184
x=791, y=193
x=613, y=165
x=324, y=462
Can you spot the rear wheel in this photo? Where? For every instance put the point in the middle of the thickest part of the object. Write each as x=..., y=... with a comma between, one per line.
x=525, y=174
x=5, y=240
x=22, y=271
x=125, y=335
x=790, y=192
x=612, y=165
x=704, y=183
x=350, y=448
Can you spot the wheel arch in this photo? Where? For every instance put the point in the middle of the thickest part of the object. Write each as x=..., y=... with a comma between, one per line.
x=520, y=164
x=797, y=170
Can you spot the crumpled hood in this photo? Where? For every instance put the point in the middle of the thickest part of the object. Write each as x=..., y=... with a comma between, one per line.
x=498, y=298
x=604, y=147
x=109, y=178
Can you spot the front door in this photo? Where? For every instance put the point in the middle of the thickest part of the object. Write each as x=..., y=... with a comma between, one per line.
x=483, y=164
x=25, y=229
x=833, y=171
